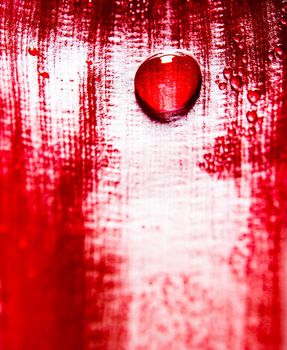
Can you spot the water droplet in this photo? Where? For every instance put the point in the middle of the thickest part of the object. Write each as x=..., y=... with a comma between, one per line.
x=284, y=20
x=279, y=51
x=202, y=166
x=284, y=8
x=271, y=56
x=222, y=86
x=253, y=96
x=167, y=84
x=251, y=116
x=33, y=51
x=237, y=38
x=236, y=83
x=219, y=140
x=44, y=75
x=251, y=131
x=241, y=71
x=241, y=46
x=227, y=73
x=244, y=59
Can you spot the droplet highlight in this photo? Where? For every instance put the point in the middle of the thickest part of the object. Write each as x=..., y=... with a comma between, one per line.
x=167, y=84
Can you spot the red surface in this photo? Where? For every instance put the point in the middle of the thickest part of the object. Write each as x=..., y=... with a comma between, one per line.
x=167, y=83
x=119, y=232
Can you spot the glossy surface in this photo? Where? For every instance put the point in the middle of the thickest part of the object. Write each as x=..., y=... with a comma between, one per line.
x=167, y=84
x=121, y=233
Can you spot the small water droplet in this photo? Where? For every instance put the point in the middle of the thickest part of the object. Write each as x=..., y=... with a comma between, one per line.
x=222, y=86
x=253, y=96
x=227, y=73
x=284, y=20
x=237, y=38
x=284, y=8
x=236, y=83
x=207, y=156
x=241, y=46
x=44, y=75
x=271, y=56
x=251, y=116
x=219, y=140
x=279, y=51
x=251, y=131
x=33, y=51
x=244, y=59
x=167, y=84
x=241, y=72
x=202, y=166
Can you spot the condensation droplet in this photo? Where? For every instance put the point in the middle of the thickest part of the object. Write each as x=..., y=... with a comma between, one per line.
x=271, y=56
x=251, y=117
x=44, y=75
x=237, y=38
x=227, y=73
x=284, y=20
x=279, y=51
x=241, y=46
x=251, y=131
x=236, y=83
x=33, y=51
x=253, y=96
x=244, y=59
x=222, y=86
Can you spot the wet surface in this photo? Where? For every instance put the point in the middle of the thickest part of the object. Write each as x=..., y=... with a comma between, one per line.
x=119, y=232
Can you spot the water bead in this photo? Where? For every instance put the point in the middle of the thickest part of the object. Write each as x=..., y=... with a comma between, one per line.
x=227, y=73
x=236, y=83
x=251, y=116
x=253, y=96
x=222, y=86
x=167, y=84
x=33, y=51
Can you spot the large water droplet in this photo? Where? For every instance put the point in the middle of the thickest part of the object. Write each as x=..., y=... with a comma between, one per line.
x=167, y=84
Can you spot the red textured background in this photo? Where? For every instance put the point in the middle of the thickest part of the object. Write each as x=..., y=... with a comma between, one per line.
x=121, y=233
